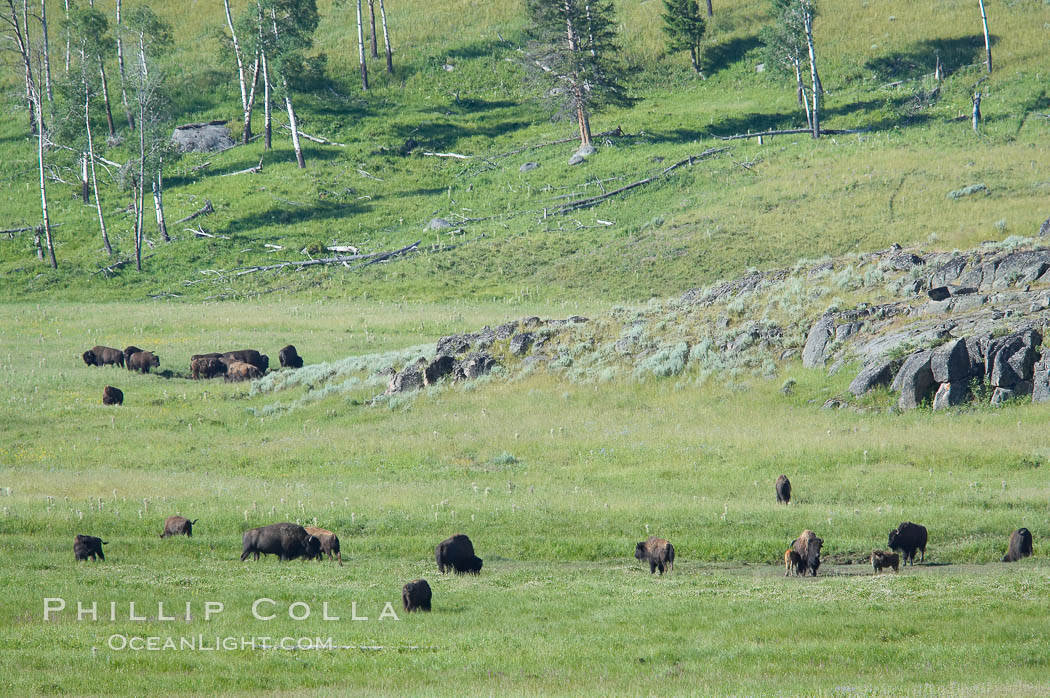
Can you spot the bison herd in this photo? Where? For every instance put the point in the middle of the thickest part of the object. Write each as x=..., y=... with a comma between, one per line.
x=233, y=366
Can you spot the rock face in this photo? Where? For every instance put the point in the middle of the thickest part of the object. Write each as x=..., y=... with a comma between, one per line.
x=817, y=341
x=914, y=380
x=950, y=395
x=951, y=362
x=202, y=138
x=875, y=374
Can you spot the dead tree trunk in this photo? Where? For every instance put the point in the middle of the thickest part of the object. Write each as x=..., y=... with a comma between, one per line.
x=361, y=48
x=372, y=19
x=21, y=39
x=120, y=69
x=386, y=39
x=90, y=159
x=158, y=201
x=975, y=117
x=815, y=76
x=240, y=71
x=267, y=122
x=85, y=190
x=987, y=43
x=582, y=117
x=43, y=186
x=140, y=185
x=46, y=57
x=66, y=3
x=251, y=103
x=294, y=126
x=710, y=10
x=105, y=99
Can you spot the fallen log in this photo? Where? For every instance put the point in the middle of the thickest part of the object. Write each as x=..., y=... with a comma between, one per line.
x=618, y=132
x=793, y=131
x=11, y=232
x=592, y=200
x=372, y=259
x=108, y=271
x=204, y=211
x=315, y=139
x=250, y=170
x=448, y=155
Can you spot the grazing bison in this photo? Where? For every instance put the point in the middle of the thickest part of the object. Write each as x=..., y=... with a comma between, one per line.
x=88, y=546
x=128, y=351
x=248, y=356
x=808, y=548
x=285, y=540
x=329, y=543
x=142, y=361
x=206, y=367
x=907, y=538
x=290, y=357
x=783, y=487
x=178, y=526
x=212, y=355
x=1020, y=545
x=793, y=563
x=658, y=552
x=457, y=553
x=241, y=371
x=416, y=595
x=880, y=560
x=103, y=356
x=112, y=396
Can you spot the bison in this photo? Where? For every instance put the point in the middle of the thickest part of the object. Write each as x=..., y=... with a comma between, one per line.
x=241, y=371
x=207, y=367
x=658, y=552
x=329, y=543
x=783, y=488
x=128, y=351
x=142, y=361
x=290, y=357
x=416, y=595
x=88, y=546
x=112, y=396
x=178, y=526
x=1020, y=545
x=457, y=553
x=808, y=546
x=907, y=538
x=212, y=355
x=793, y=563
x=248, y=356
x=881, y=559
x=285, y=540
x=103, y=356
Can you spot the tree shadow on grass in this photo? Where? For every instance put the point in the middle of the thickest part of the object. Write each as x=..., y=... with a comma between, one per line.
x=921, y=58
x=292, y=216
x=720, y=56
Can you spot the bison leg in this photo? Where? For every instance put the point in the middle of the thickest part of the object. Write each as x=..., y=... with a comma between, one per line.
x=245, y=554
x=652, y=568
x=339, y=556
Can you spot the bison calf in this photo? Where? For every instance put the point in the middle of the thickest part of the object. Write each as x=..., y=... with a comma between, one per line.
x=142, y=361
x=457, y=553
x=793, y=563
x=248, y=356
x=178, y=526
x=88, y=546
x=206, y=367
x=290, y=357
x=241, y=371
x=103, y=356
x=808, y=546
x=658, y=552
x=880, y=560
x=112, y=396
x=783, y=487
x=329, y=543
x=416, y=595
x=1020, y=545
x=285, y=540
x=907, y=538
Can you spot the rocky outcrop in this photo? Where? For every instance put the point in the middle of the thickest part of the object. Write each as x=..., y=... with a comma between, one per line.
x=914, y=380
x=875, y=374
x=202, y=138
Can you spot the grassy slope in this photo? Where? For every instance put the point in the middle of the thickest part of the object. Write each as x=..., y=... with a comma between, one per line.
x=801, y=198
x=560, y=606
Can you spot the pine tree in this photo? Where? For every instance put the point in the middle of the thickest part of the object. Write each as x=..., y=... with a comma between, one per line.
x=685, y=27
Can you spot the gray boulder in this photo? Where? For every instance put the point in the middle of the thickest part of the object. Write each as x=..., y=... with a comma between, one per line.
x=474, y=365
x=817, y=341
x=528, y=166
x=202, y=138
x=437, y=224
x=438, y=369
x=1001, y=395
x=1013, y=358
x=872, y=376
x=914, y=380
x=520, y=343
x=1041, y=381
x=951, y=362
x=408, y=379
x=950, y=395
x=584, y=152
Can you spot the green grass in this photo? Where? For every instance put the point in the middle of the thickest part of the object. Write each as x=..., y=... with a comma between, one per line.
x=561, y=605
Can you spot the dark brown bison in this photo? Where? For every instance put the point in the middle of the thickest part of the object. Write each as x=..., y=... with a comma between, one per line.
x=248, y=356
x=1020, y=545
x=290, y=357
x=285, y=540
x=783, y=488
x=88, y=546
x=241, y=371
x=207, y=367
x=329, y=543
x=112, y=396
x=103, y=356
x=212, y=355
x=907, y=538
x=881, y=559
x=416, y=595
x=793, y=563
x=457, y=553
x=128, y=351
x=178, y=526
x=808, y=546
x=658, y=552
x=142, y=361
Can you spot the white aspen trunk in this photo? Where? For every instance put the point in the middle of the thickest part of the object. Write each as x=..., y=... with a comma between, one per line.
x=987, y=43
x=158, y=205
x=105, y=91
x=120, y=68
x=251, y=103
x=294, y=126
x=360, y=48
x=808, y=22
x=372, y=19
x=47, y=56
x=43, y=186
x=140, y=184
x=85, y=191
x=66, y=3
x=91, y=157
x=386, y=39
x=237, y=55
x=267, y=121
x=801, y=88
x=710, y=10
x=22, y=41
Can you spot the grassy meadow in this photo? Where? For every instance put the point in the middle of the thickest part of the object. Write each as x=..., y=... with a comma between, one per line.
x=554, y=481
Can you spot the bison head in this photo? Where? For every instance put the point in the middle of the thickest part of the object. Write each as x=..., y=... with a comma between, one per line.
x=812, y=556
x=313, y=548
x=264, y=362
x=154, y=360
x=89, y=357
x=640, y=551
x=474, y=566
x=894, y=534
